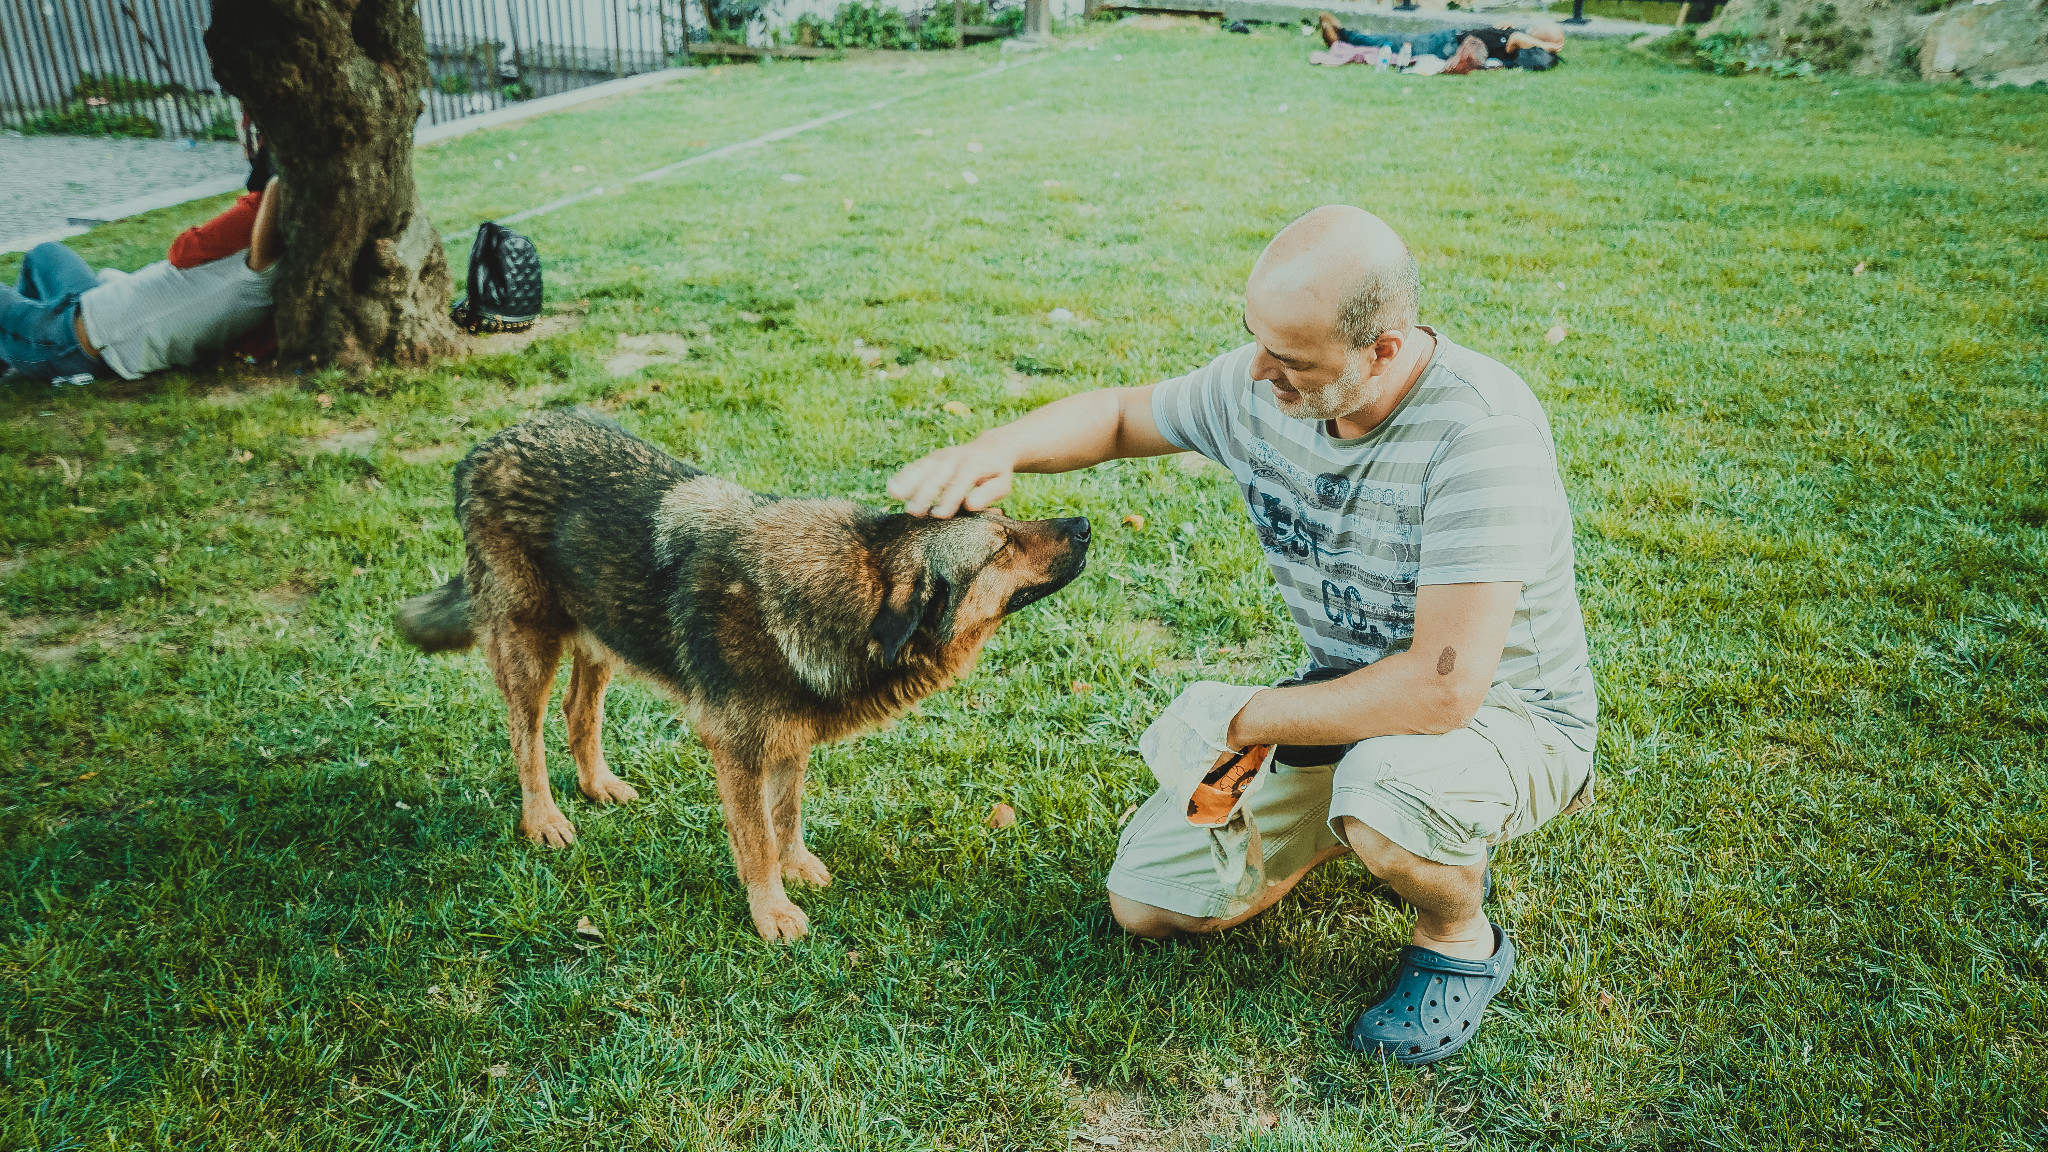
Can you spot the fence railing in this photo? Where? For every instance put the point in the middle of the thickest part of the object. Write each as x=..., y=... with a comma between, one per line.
x=139, y=67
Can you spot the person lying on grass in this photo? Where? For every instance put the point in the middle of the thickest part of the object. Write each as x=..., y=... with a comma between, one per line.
x=1406, y=492
x=1502, y=42
x=63, y=320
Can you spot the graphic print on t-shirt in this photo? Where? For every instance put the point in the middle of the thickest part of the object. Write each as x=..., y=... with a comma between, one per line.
x=1294, y=513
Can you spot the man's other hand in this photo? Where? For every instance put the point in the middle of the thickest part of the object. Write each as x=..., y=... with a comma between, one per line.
x=969, y=476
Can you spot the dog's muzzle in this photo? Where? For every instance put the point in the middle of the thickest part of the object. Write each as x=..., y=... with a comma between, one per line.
x=1076, y=530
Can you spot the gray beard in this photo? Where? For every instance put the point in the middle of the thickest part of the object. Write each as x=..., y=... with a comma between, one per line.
x=1346, y=394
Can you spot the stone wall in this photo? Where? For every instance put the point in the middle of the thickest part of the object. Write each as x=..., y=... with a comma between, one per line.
x=1994, y=42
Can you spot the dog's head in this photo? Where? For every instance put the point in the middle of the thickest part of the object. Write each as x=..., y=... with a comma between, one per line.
x=946, y=584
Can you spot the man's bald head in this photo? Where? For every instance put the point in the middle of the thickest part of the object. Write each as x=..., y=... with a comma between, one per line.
x=1344, y=267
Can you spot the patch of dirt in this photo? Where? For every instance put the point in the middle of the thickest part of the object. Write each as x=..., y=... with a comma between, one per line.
x=637, y=352
x=57, y=641
x=1160, y=22
x=500, y=343
x=284, y=600
x=431, y=453
x=349, y=442
x=11, y=565
x=1223, y=1116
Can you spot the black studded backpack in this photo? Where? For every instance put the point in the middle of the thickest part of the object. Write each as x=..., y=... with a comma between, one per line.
x=504, y=282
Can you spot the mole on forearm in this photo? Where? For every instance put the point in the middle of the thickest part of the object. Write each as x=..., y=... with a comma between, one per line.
x=1446, y=660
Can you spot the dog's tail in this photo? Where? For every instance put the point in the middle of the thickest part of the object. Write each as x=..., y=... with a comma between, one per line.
x=437, y=621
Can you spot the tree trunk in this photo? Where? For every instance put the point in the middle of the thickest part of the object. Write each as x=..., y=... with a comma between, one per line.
x=334, y=85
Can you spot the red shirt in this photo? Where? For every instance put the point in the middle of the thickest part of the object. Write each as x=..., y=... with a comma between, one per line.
x=217, y=239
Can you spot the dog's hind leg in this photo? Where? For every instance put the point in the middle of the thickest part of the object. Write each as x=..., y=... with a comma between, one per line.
x=583, y=708
x=742, y=776
x=523, y=659
x=785, y=797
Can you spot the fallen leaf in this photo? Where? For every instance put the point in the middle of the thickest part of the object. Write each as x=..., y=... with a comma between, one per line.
x=1859, y=269
x=958, y=409
x=792, y=178
x=853, y=959
x=1135, y=521
x=1267, y=1121
x=327, y=401
x=1001, y=816
x=974, y=146
x=498, y=1071
x=1555, y=335
x=1050, y=184
x=1100, y=1141
x=245, y=456
x=88, y=775
x=848, y=204
x=359, y=571
x=970, y=177
x=1082, y=686
x=1606, y=1001
x=1059, y=315
x=587, y=930
x=1126, y=817
x=869, y=357
x=924, y=131
x=404, y=807
x=751, y=317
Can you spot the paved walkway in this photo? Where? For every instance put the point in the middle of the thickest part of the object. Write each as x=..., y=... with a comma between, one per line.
x=46, y=180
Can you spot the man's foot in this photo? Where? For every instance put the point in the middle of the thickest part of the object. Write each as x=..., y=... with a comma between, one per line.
x=1434, y=1007
x=1327, y=24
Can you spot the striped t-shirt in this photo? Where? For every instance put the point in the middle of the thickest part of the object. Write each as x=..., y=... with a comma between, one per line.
x=1459, y=485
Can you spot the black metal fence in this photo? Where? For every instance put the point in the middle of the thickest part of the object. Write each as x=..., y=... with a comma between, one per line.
x=139, y=67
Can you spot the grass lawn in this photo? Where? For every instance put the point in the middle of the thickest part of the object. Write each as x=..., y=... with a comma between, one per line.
x=259, y=886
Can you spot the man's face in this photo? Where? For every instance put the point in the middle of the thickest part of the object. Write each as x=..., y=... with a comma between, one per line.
x=1314, y=374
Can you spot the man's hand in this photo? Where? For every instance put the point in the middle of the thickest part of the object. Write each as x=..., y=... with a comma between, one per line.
x=970, y=476
x=1082, y=430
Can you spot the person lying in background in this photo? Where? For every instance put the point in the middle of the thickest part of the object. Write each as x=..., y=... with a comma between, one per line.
x=61, y=321
x=1501, y=42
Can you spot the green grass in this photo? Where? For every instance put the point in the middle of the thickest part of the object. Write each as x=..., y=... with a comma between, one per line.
x=261, y=888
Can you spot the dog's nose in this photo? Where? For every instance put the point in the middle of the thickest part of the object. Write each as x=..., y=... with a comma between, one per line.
x=1076, y=528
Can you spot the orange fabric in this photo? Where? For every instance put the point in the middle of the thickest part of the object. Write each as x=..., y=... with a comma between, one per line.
x=224, y=235
x=1217, y=794
x=221, y=237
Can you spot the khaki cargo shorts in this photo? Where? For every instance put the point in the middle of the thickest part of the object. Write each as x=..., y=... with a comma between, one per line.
x=1444, y=797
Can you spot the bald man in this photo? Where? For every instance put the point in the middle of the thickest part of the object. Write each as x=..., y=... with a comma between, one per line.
x=1406, y=492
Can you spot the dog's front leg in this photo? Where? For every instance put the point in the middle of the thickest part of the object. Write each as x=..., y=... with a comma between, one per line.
x=785, y=796
x=741, y=786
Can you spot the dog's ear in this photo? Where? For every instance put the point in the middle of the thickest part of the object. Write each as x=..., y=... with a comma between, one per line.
x=910, y=604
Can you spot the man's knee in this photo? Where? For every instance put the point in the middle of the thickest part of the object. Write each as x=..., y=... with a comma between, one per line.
x=1154, y=923
x=1381, y=856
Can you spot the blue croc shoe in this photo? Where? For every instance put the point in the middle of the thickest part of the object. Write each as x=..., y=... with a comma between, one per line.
x=1433, y=1010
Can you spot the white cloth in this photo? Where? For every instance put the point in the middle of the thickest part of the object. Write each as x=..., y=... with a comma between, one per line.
x=162, y=316
x=1181, y=747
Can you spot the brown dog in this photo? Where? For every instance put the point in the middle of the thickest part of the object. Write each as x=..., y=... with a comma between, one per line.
x=777, y=624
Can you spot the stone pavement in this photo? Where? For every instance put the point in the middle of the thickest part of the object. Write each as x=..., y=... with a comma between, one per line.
x=47, y=180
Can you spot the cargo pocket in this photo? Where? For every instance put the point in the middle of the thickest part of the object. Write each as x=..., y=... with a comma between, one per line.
x=1461, y=791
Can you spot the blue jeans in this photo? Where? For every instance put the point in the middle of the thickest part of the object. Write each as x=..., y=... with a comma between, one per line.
x=38, y=335
x=1442, y=43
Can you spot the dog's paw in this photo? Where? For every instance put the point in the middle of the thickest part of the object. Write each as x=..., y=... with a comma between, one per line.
x=609, y=789
x=779, y=921
x=548, y=827
x=804, y=867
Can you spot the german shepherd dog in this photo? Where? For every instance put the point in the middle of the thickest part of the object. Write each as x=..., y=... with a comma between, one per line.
x=775, y=624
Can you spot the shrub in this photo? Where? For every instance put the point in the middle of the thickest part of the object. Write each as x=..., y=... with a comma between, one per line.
x=78, y=119
x=114, y=86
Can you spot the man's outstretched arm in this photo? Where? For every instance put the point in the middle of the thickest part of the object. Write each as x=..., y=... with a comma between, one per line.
x=266, y=240
x=1077, y=432
x=1435, y=686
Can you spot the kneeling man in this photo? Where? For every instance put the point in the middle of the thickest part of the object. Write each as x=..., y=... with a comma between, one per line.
x=1406, y=492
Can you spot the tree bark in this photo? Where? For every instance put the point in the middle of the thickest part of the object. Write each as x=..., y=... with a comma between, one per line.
x=334, y=86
